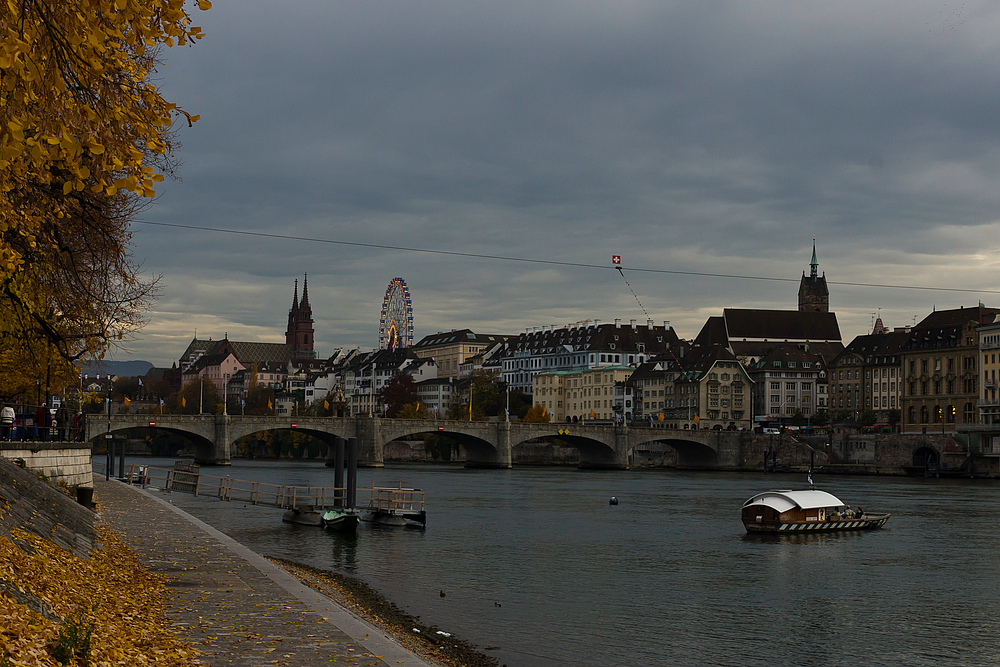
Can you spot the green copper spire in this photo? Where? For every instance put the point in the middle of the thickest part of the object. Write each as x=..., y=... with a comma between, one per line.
x=814, y=264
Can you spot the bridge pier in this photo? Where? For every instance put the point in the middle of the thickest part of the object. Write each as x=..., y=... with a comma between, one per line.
x=370, y=442
x=503, y=458
x=220, y=445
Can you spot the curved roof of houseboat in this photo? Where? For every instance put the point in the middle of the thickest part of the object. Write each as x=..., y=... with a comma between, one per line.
x=782, y=501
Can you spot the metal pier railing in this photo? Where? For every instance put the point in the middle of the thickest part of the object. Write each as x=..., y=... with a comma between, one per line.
x=389, y=499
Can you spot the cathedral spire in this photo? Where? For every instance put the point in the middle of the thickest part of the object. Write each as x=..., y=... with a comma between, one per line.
x=299, y=335
x=305, y=292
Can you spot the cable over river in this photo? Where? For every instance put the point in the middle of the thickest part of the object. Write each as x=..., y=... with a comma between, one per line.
x=537, y=568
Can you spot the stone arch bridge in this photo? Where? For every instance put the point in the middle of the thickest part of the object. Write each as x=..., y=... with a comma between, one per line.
x=487, y=444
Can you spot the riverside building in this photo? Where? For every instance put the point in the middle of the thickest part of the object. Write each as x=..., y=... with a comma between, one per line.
x=989, y=362
x=941, y=370
x=582, y=346
x=590, y=394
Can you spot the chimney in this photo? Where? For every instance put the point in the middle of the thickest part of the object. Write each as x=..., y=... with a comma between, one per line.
x=649, y=324
x=632, y=322
x=666, y=325
x=618, y=323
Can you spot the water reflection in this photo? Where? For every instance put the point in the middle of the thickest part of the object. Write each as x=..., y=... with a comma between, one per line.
x=669, y=575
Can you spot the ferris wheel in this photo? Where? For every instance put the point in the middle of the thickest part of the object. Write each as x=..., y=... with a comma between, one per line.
x=396, y=326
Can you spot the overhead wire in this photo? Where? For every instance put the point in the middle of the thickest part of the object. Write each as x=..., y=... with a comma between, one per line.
x=550, y=262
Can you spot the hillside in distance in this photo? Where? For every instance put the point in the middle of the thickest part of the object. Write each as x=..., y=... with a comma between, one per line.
x=117, y=368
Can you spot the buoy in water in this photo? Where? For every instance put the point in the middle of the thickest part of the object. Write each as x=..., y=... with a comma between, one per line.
x=613, y=501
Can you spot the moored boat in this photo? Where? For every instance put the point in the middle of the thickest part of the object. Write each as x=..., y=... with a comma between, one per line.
x=341, y=521
x=303, y=516
x=806, y=510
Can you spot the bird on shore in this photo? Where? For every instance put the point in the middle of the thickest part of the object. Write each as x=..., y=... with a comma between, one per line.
x=442, y=593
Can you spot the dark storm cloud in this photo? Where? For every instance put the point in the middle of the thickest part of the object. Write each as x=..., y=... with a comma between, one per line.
x=697, y=136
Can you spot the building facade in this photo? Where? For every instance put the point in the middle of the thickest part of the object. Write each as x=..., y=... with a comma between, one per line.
x=941, y=382
x=786, y=383
x=582, y=395
x=452, y=349
x=989, y=363
x=709, y=388
x=584, y=346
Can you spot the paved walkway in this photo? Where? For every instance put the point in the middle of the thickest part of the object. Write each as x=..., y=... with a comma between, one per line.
x=235, y=606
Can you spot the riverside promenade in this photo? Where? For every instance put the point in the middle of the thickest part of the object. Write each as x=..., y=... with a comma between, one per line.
x=230, y=603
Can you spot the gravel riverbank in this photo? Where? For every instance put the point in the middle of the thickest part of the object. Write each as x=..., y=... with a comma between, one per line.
x=430, y=642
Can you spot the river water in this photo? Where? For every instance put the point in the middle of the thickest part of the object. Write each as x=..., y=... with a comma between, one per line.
x=538, y=568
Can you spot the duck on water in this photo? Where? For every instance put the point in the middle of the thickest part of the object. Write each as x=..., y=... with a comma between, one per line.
x=806, y=510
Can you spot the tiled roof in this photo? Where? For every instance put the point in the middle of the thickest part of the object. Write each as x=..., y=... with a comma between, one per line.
x=877, y=349
x=459, y=336
x=943, y=328
x=624, y=338
x=787, y=354
x=248, y=353
x=781, y=325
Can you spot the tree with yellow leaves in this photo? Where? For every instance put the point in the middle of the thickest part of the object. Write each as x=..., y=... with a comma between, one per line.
x=84, y=135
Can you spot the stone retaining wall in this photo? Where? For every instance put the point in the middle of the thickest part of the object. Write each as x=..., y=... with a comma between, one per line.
x=69, y=462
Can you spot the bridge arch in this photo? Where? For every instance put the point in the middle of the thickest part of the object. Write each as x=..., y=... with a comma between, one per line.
x=204, y=447
x=594, y=452
x=692, y=453
x=480, y=445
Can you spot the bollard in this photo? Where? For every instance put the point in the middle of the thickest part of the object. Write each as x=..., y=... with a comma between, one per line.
x=352, y=472
x=338, y=472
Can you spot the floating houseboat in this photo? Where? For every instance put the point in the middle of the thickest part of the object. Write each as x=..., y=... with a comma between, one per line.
x=807, y=510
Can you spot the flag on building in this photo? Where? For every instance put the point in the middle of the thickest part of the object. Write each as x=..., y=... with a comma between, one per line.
x=616, y=259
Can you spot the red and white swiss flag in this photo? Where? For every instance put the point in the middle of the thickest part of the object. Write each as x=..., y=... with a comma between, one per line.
x=616, y=259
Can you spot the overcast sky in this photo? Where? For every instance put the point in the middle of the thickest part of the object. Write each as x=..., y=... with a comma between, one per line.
x=705, y=137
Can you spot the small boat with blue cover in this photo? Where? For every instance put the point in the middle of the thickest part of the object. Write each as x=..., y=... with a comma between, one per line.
x=806, y=510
